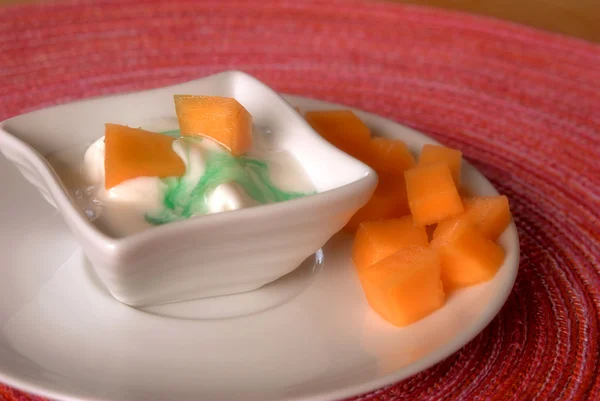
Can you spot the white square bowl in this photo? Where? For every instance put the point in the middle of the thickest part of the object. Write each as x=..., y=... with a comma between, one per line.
x=211, y=255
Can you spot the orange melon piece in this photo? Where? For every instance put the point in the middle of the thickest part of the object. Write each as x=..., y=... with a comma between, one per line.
x=432, y=193
x=437, y=153
x=132, y=152
x=467, y=257
x=377, y=240
x=390, y=156
x=388, y=201
x=222, y=119
x=395, y=188
x=489, y=214
x=343, y=129
x=379, y=207
x=406, y=286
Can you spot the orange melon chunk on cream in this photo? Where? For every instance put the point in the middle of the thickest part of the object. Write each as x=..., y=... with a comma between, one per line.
x=377, y=240
x=432, y=193
x=222, y=119
x=343, y=129
x=489, y=214
x=467, y=257
x=390, y=156
x=437, y=153
x=406, y=286
x=132, y=152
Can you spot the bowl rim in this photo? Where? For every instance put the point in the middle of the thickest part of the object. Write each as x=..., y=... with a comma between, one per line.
x=112, y=246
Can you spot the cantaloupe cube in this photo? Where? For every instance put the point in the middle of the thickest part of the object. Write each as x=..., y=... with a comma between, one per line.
x=377, y=240
x=131, y=153
x=390, y=156
x=395, y=187
x=436, y=153
x=432, y=193
x=406, y=286
x=343, y=129
x=222, y=119
x=379, y=207
x=467, y=257
x=388, y=201
x=489, y=214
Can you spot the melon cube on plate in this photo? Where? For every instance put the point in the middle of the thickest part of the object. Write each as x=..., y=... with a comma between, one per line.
x=436, y=153
x=388, y=201
x=222, y=119
x=390, y=156
x=489, y=214
x=379, y=207
x=395, y=188
x=377, y=240
x=343, y=129
x=467, y=256
x=406, y=286
x=432, y=193
x=132, y=152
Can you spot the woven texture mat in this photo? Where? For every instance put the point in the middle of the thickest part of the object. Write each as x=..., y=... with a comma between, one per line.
x=524, y=106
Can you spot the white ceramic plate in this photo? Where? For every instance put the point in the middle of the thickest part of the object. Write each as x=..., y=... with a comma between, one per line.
x=309, y=335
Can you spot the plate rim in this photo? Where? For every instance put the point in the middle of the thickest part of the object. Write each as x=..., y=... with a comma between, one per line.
x=419, y=365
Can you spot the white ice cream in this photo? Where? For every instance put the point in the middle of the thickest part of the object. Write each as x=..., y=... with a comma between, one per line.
x=146, y=193
x=123, y=209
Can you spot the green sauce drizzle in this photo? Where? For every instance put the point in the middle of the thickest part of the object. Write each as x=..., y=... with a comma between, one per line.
x=182, y=201
x=175, y=133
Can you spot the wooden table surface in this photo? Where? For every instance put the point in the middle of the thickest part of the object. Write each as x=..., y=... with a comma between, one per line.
x=579, y=18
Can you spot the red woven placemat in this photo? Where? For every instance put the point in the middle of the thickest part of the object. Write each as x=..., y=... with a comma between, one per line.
x=524, y=106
